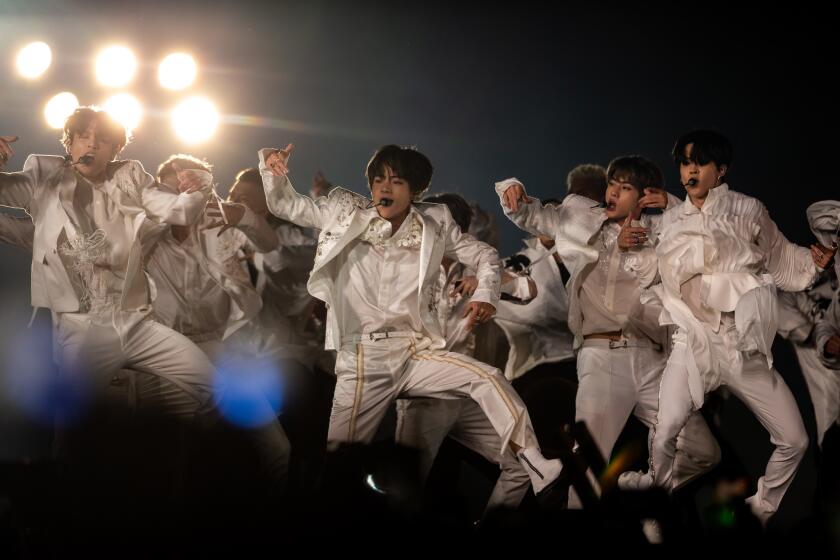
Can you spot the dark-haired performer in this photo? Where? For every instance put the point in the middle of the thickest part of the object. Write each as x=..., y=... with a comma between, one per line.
x=618, y=340
x=720, y=259
x=378, y=268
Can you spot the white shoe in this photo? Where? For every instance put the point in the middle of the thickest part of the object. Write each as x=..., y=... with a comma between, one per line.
x=635, y=480
x=541, y=470
x=652, y=530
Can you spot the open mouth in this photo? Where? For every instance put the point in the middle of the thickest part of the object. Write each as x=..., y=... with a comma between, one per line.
x=86, y=159
x=691, y=183
x=385, y=202
x=610, y=206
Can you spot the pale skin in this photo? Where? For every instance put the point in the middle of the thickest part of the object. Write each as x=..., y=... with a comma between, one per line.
x=709, y=175
x=396, y=188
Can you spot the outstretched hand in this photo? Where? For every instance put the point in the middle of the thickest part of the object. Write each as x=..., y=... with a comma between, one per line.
x=514, y=195
x=278, y=160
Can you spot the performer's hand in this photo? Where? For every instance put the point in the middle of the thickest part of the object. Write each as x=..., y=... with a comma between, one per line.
x=631, y=236
x=653, y=198
x=233, y=212
x=6, y=151
x=465, y=286
x=514, y=195
x=832, y=347
x=823, y=255
x=478, y=312
x=278, y=160
x=189, y=179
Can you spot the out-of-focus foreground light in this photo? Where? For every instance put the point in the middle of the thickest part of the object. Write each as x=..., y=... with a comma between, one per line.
x=248, y=389
x=177, y=71
x=115, y=66
x=59, y=107
x=34, y=59
x=195, y=119
x=126, y=109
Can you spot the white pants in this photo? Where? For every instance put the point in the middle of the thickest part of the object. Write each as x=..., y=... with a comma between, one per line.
x=424, y=423
x=616, y=380
x=178, y=375
x=92, y=353
x=760, y=388
x=371, y=374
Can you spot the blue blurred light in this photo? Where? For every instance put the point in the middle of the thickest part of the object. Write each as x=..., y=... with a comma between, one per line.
x=248, y=389
x=32, y=383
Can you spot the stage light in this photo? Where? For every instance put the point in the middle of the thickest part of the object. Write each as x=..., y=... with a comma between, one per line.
x=195, y=119
x=115, y=66
x=126, y=109
x=34, y=59
x=59, y=108
x=177, y=71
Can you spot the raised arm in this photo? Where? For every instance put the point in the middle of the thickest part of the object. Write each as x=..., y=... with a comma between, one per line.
x=254, y=227
x=17, y=232
x=164, y=206
x=17, y=189
x=282, y=199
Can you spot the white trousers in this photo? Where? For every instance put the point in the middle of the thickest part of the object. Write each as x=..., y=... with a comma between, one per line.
x=424, y=423
x=371, y=374
x=176, y=377
x=615, y=381
x=92, y=353
x=760, y=388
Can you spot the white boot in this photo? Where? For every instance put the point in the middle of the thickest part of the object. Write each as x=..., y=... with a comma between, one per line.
x=541, y=470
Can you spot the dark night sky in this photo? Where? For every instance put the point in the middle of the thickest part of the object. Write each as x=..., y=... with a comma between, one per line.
x=528, y=90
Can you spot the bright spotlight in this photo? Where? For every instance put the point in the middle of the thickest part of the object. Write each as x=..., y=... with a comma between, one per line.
x=195, y=119
x=115, y=66
x=126, y=109
x=177, y=71
x=59, y=108
x=34, y=59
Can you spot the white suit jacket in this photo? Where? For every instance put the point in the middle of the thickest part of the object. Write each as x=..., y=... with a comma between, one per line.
x=45, y=189
x=343, y=215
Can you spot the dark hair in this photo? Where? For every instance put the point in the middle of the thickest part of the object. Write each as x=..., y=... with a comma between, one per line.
x=709, y=146
x=250, y=175
x=460, y=209
x=636, y=170
x=108, y=126
x=589, y=180
x=184, y=161
x=406, y=163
